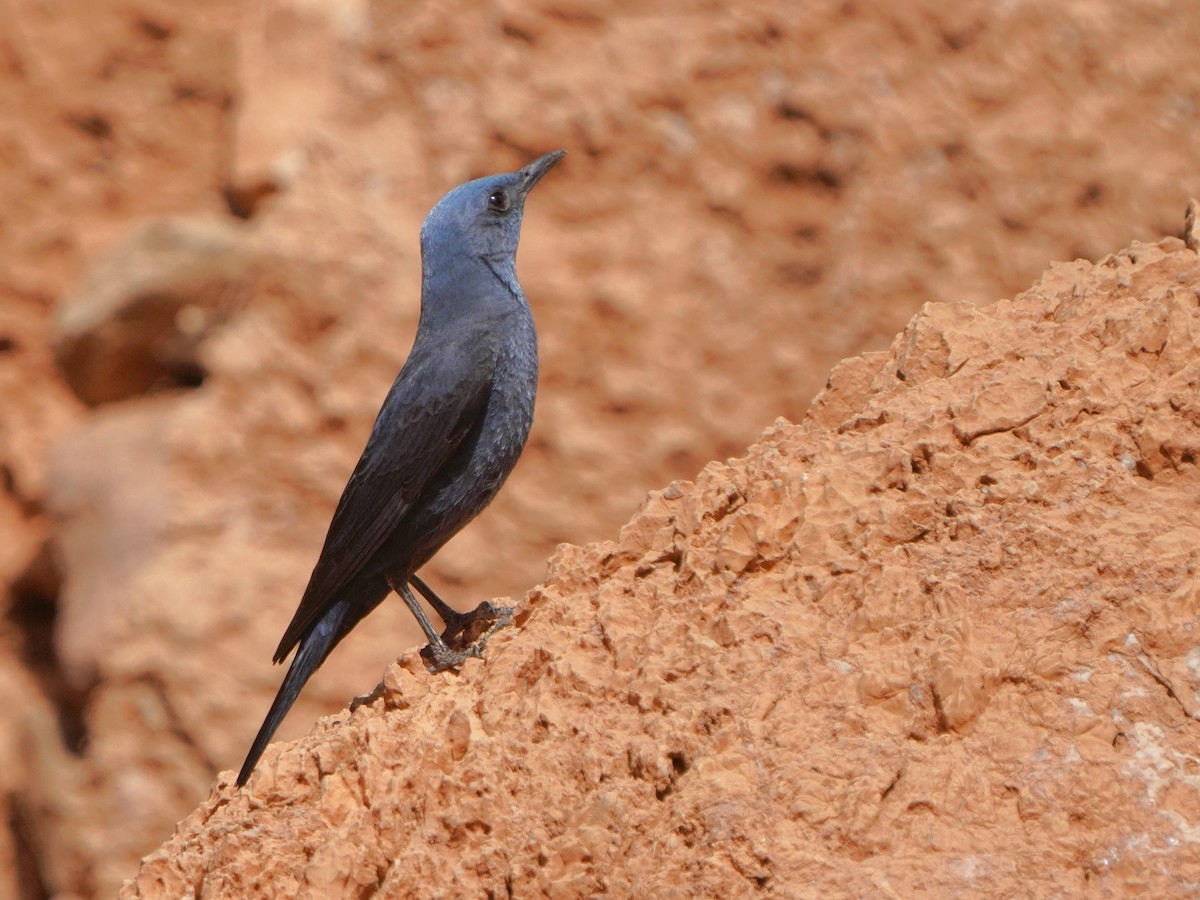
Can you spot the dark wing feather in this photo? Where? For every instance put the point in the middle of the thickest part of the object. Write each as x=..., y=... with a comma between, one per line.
x=432, y=406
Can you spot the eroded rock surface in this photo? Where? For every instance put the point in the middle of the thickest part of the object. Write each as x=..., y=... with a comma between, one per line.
x=940, y=636
x=753, y=192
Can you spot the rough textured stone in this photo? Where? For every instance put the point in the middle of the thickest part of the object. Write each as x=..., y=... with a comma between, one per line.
x=939, y=637
x=753, y=193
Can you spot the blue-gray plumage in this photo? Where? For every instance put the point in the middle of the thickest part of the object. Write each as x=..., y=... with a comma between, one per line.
x=449, y=432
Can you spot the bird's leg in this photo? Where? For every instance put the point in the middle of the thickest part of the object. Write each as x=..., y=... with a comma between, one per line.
x=465, y=630
x=456, y=622
x=438, y=657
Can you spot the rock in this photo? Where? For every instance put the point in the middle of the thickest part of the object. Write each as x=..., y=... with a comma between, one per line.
x=734, y=218
x=939, y=635
x=136, y=320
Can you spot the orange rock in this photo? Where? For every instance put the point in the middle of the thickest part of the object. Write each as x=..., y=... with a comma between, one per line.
x=726, y=701
x=739, y=215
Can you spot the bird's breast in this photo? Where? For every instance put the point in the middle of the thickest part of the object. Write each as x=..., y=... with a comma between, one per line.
x=509, y=413
x=481, y=464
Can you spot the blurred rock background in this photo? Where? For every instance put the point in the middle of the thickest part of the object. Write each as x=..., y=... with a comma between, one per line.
x=209, y=277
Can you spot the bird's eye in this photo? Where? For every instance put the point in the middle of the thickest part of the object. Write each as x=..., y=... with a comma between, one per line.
x=498, y=201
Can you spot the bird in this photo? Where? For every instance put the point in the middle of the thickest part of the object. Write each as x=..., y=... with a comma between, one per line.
x=446, y=438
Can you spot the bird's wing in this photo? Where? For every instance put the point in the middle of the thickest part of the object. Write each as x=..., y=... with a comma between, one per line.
x=431, y=408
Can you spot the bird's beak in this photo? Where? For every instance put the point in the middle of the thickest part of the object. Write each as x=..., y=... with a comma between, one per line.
x=532, y=173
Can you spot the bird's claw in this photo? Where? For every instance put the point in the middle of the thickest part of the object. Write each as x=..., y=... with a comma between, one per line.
x=468, y=629
x=440, y=658
x=466, y=636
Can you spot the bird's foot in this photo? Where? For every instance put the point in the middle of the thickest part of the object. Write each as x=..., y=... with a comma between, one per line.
x=465, y=636
x=478, y=625
x=441, y=658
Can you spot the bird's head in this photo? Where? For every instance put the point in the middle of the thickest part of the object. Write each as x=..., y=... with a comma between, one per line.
x=482, y=218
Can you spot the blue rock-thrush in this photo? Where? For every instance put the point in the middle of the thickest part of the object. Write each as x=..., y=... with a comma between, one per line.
x=450, y=431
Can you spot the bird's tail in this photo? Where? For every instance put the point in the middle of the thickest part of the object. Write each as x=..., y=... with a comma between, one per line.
x=314, y=647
